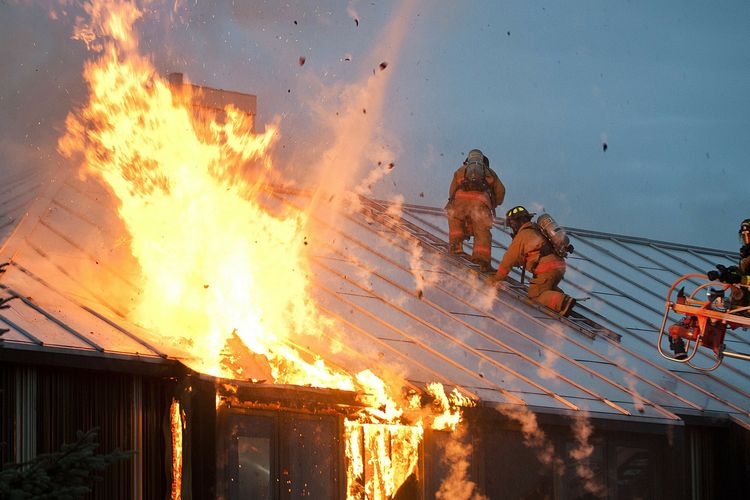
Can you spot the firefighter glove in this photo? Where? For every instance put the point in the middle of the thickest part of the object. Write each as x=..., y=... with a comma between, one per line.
x=729, y=275
x=745, y=251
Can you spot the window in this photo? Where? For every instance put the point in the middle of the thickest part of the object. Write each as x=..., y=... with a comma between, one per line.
x=254, y=467
x=271, y=456
x=633, y=469
x=585, y=479
x=312, y=446
x=251, y=457
x=513, y=471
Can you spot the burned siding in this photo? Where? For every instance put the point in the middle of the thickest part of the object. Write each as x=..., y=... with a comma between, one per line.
x=625, y=460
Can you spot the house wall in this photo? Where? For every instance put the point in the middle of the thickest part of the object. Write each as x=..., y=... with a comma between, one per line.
x=719, y=464
x=627, y=460
x=43, y=407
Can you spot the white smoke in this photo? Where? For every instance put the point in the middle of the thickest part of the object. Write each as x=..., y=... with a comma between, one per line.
x=630, y=380
x=456, y=485
x=534, y=436
x=581, y=454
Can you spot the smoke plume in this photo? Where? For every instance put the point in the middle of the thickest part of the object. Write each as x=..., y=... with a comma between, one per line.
x=581, y=454
x=456, y=485
x=534, y=436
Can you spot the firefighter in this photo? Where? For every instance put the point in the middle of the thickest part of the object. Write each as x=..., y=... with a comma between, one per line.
x=474, y=193
x=739, y=296
x=532, y=250
x=739, y=274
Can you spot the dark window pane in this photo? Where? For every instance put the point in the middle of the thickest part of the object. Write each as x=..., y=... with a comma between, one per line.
x=584, y=479
x=512, y=470
x=251, y=457
x=312, y=447
x=633, y=473
x=254, y=467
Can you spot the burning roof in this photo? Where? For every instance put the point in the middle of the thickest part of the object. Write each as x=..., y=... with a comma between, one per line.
x=178, y=243
x=497, y=348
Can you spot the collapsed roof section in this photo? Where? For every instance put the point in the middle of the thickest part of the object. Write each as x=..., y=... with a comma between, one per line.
x=399, y=301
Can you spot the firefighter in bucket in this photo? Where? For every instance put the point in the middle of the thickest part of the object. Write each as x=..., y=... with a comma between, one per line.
x=739, y=274
x=474, y=193
x=738, y=277
x=537, y=254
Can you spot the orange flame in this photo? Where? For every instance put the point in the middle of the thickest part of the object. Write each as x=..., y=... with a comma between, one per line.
x=448, y=405
x=220, y=275
x=176, y=423
x=211, y=257
x=380, y=457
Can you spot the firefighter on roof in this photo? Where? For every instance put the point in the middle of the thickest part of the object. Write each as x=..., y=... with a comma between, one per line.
x=474, y=193
x=535, y=252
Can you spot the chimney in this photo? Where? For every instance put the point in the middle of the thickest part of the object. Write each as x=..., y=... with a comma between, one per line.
x=175, y=80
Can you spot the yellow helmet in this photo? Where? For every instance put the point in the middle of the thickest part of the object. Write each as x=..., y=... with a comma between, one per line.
x=744, y=231
x=517, y=217
x=518, y=212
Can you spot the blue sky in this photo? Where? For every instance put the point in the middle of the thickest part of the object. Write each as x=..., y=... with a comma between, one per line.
x=538, y=86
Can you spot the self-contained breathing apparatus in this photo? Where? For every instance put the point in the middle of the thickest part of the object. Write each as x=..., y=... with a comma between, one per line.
x=555, y=235
x=476, y=174
x=474, y=177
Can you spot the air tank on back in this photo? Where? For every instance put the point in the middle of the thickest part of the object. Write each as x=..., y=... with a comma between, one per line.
x=555, y=234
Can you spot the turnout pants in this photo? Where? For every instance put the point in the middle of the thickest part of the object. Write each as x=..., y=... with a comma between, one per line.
x=475, y=207
x=543, y=286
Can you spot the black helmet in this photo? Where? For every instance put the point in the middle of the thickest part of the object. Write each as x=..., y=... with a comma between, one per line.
x=518, y=212
x=744, y=232
x=517, y=217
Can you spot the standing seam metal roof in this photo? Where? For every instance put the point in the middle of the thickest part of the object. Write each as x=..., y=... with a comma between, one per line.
x=453, y=328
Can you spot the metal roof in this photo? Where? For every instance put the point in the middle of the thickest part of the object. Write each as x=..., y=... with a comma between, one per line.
x=17, y=190
x=401, y=301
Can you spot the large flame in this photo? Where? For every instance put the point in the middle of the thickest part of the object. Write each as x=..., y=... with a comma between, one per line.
x=219, y=273
x=214, y=263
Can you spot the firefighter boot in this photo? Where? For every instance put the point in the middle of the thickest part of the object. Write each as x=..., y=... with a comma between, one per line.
x=456, y=247
x=486, y=267
x=678, y=347
x=567, y=305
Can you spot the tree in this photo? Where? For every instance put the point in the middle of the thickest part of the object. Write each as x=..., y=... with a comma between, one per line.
x=65, y=474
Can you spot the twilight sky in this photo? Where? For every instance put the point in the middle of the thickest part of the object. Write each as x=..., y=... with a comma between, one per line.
x=539, y=86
